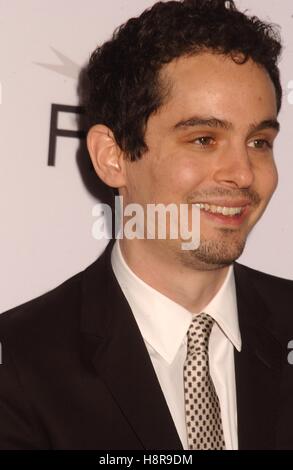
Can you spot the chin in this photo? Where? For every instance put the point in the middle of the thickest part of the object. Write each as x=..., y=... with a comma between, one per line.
x=213, y=254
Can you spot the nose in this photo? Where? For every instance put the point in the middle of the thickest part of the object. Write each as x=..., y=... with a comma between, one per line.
x=234, y=168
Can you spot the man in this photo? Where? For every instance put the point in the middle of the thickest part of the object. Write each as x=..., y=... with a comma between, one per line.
x=153, y=346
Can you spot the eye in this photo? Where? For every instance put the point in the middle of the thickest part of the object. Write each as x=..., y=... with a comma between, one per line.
x=261, y=144
x=203, y=141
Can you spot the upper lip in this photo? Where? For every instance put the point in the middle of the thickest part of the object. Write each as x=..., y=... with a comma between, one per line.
x=222, y=203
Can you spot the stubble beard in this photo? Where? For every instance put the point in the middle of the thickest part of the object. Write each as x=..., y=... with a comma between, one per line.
x=215, y=254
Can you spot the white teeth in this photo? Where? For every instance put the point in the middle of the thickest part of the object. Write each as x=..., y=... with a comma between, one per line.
x=228, y=211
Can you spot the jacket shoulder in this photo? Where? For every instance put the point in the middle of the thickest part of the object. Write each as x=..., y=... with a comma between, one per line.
x=276, y=293
x=267, y=283
x=53, y=318
x=40, y=355
x=44, y=309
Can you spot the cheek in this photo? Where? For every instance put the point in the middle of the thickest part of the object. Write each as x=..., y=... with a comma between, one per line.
x=180, y=176
x=272, y=179
x=267, y=180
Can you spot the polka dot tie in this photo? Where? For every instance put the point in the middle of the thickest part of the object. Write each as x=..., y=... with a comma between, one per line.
x=202, y=407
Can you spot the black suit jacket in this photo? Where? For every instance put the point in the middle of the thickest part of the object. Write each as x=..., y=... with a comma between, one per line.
x=76, y=374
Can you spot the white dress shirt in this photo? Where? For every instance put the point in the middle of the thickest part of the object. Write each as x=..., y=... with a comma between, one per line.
x=164, y=324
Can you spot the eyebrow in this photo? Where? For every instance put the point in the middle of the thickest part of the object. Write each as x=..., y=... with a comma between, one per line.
x=215, y=123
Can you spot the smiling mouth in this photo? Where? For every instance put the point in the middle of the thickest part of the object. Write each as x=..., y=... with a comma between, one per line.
x=222, y=210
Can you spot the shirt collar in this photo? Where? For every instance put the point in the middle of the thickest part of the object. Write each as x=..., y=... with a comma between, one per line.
x=223, y=309
x=164, y=323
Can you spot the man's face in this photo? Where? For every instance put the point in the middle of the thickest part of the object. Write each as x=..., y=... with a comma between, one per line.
x=226, y=161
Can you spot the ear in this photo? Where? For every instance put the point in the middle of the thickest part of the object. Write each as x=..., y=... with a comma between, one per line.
x=106, y=156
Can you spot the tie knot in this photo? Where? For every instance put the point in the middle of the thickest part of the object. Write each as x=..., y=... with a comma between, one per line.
x=199, y=334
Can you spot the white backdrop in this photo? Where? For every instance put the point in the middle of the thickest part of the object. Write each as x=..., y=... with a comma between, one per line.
x=46, y=211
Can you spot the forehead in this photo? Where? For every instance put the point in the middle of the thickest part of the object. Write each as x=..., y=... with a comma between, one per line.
x=214, y=84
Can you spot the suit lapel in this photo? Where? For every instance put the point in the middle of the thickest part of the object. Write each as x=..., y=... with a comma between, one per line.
x=257, y=368
x=120, y=357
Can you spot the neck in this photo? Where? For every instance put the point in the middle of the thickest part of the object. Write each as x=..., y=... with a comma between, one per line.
x=192, y=288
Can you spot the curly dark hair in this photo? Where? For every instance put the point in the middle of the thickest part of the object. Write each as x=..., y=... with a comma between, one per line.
x=123, y=74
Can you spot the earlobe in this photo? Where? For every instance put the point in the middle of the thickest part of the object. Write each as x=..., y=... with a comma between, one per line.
x=106, y=156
